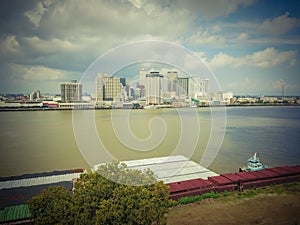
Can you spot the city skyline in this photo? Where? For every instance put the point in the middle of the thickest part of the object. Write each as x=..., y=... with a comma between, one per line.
x=252, y=47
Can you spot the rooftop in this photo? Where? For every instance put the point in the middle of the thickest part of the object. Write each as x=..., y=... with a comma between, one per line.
x=170, y=169
x=14, y=213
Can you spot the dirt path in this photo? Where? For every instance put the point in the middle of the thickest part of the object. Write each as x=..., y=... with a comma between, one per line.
x=262, y=209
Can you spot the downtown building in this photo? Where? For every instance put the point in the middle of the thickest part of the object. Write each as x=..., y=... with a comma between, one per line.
x=71, y=92
x=192, y=87
x=198, y=88
x=172, y=78
x=182, y=86
x=110, y=88
x=154, y=88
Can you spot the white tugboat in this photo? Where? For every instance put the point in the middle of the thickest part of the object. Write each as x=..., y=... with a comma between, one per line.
x=254, y=164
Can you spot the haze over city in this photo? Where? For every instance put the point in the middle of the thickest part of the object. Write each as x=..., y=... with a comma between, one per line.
x=251, y=46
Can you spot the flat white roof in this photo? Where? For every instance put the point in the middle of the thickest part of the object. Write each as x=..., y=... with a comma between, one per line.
x=27, y=182
x=170, y=168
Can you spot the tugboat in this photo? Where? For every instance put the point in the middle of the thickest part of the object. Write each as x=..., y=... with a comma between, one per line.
x=254, y=164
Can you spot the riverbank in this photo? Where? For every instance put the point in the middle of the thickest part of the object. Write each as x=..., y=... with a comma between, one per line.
x=275, y=204
x=13, y=109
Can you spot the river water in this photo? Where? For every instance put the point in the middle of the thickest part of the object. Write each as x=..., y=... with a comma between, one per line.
x=37, y=141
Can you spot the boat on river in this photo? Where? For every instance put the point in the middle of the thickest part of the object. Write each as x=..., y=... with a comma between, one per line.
x=254, y=164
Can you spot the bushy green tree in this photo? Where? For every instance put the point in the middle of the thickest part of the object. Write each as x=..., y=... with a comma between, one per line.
x=112, y=195
x=52, y=206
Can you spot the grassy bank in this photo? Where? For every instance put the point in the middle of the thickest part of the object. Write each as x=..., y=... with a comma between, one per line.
x=277, y=204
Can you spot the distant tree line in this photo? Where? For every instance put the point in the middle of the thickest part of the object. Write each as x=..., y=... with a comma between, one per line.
x=113, y=195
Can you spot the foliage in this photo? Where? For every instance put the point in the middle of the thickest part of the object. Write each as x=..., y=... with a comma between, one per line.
x=51, y=206
x=135, y=205
x=190, y=199
x=112, y=195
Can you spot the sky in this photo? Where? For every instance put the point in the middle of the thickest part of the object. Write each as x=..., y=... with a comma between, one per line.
x=251, y=46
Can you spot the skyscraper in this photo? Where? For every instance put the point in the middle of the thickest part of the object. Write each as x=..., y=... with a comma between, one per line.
x=198, y=87
x=71, y=91
x=110, y=88
x=172, y=77
x=142, y=76
x=182, y=87
x=154, y=88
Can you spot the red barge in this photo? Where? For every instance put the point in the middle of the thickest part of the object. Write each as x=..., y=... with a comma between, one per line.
x=233, y=181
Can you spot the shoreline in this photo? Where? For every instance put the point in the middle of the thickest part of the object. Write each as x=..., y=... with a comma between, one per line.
x=12, y=109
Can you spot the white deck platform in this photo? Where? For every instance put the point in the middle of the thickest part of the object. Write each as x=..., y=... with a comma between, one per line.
x=171, y=168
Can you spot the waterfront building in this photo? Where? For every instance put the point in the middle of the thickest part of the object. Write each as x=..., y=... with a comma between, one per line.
x=198, y=88
x=35, y=95
x=32, y=96
x=142, y=76
x=141, y=87
x=269, y=99
x=38, y=94
x=227, y=97
x=154, y=88
x=110, y=88
x=182, y=86
x=71, y=91
x=172, y=78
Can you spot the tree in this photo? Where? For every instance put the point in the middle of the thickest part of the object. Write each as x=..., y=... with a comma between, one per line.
x=51, y=206
x=114, y=194
x=135, y=205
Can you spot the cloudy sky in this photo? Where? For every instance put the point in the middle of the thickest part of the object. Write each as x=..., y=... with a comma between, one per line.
x=251, y=46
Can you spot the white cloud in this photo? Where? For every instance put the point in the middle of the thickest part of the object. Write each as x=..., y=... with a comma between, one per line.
x=9, y=45
x=222, y=59
x=269, y=57
x=70, y=34
x=35, y=15
x=201, y=55
x=113, y=19
x=243, y=37
x=203, y=37
x=271, y=31
x=39, y=73
x=136, y=3
x=213, y=9
x=49, y=46
x=279, y=25
x=105, y=24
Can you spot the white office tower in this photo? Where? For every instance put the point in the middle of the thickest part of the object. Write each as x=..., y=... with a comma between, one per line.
x=198, y=88
x=154, y=88
x=71, y=92
x=182, y=86
x=109, y=88
x=172, y=78
x=142, y=76
x=38, y=94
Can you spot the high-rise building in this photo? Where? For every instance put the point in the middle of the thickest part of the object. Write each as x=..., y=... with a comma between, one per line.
x=35, y=95
x=198, y=87
x=182, y=87
x=38, y=94
x=154, y=88
x=172, y=77
x=110, y=88
x=142, y=89
x=142, y=76
x=71, y=91
x=32, y=96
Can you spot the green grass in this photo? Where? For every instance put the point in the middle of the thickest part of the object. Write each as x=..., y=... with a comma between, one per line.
x=190, y=199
